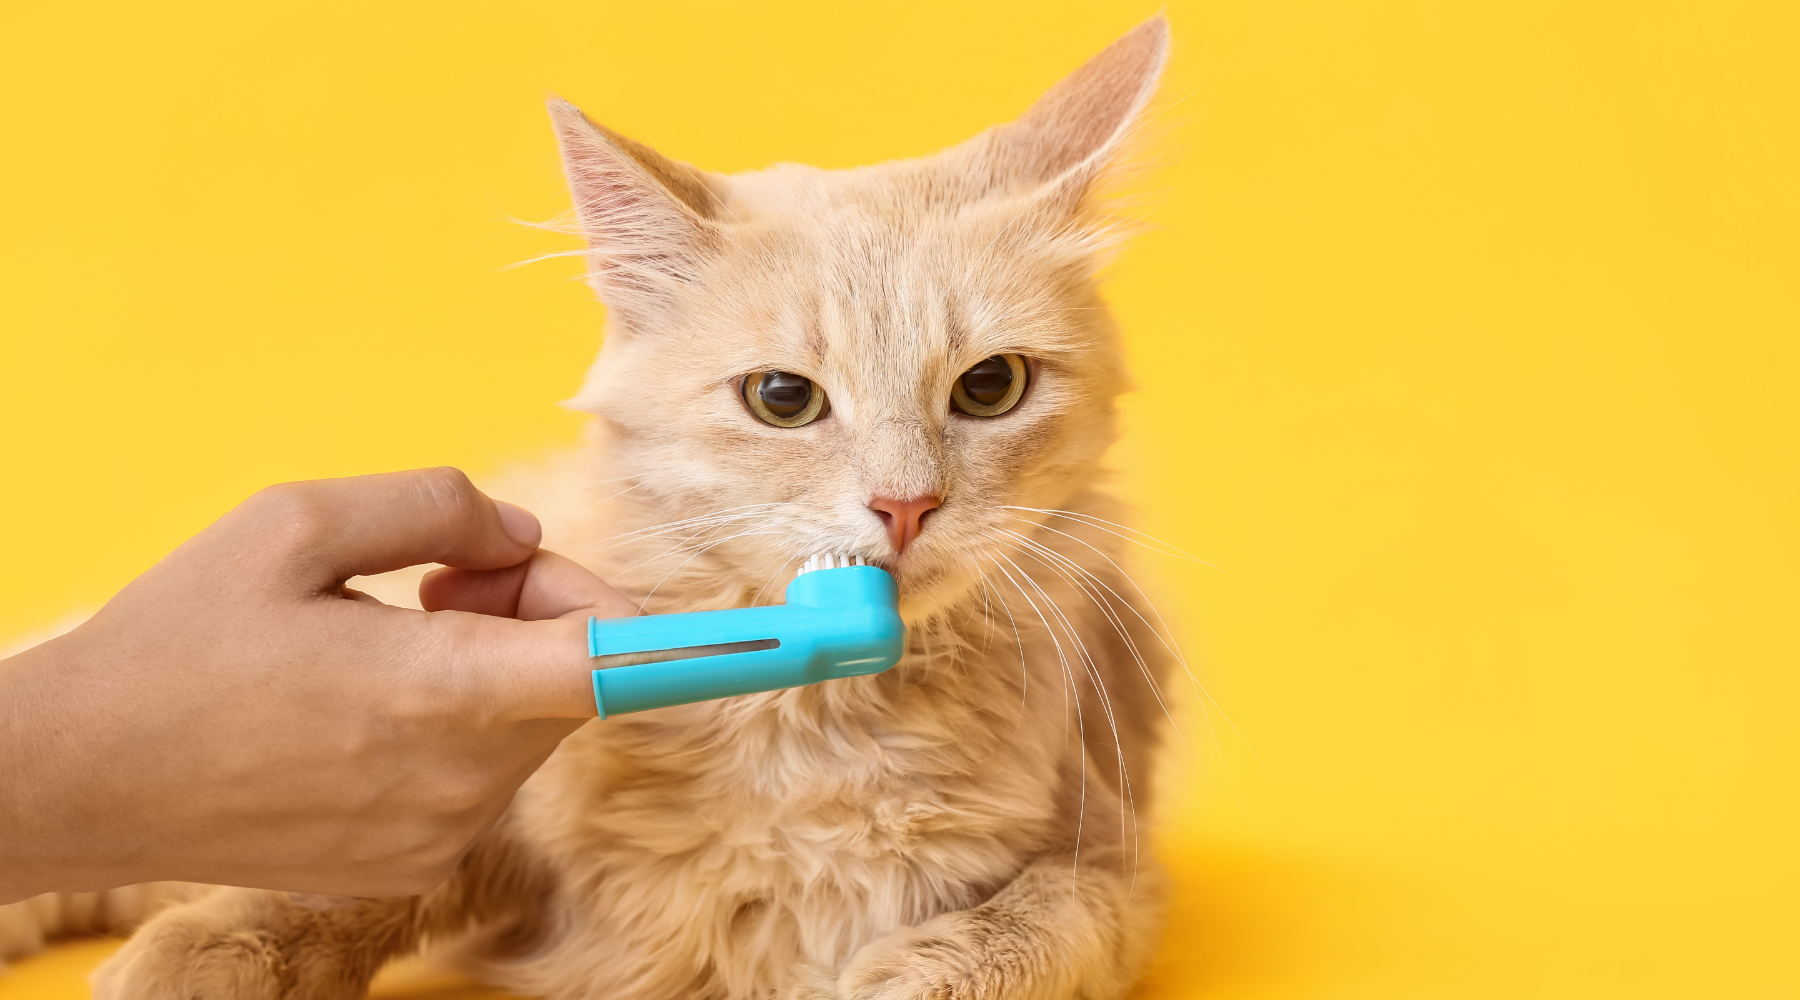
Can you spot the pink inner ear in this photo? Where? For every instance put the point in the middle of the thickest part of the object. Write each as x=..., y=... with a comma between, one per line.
x=619, y=218
x=1087, y=112
x=639, y=235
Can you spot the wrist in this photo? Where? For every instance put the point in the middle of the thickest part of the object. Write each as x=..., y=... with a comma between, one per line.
x=57, y=831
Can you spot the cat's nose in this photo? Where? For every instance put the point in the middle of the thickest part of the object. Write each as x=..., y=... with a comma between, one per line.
x=903, y=518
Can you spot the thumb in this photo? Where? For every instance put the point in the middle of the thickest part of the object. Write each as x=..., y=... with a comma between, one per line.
x=334, y=529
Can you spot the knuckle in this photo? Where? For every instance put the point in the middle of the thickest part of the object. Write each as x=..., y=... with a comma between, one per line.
x=451, y=491
x=295, y=511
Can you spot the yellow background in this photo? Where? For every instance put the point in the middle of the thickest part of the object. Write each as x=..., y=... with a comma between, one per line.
x=1467, y=337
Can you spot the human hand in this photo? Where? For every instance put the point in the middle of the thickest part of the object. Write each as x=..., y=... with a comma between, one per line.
x=235, y=715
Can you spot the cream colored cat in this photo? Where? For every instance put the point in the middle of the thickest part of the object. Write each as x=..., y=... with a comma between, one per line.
x=907, y=362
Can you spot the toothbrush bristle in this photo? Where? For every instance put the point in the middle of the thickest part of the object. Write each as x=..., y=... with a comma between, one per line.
x=829, y=560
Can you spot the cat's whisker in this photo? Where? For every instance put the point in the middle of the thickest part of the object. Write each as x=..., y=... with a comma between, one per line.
x=1126, y=532
x=679, y=534
x=691, y=527
x=1089, y=664
x=1024, y=674
x=780, y=571
x=1161, y=627
x=1164, y=635
x=1089, y=584
x=696, y=547
x=685, y=562
x=713, y=515
x=1095, y=675
x=686, y=528
x=701, y=536
x=595, y=505
x=613, y=479
x=1127, y=805
x=1079, y=577
x=700, y=528
x=1071, y=687
x=539, y=258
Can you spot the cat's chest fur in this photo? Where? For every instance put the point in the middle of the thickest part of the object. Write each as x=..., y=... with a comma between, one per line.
x=821, y=818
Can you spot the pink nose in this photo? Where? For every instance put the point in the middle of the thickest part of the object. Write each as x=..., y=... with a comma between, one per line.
x=903, y=518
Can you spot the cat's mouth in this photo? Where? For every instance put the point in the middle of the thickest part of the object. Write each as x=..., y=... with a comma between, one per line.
x=928, y=576
x=908, y=574
x=914, y=602
x=925, y=581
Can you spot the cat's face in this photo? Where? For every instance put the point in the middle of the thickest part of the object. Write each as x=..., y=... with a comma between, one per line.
x=884, y=291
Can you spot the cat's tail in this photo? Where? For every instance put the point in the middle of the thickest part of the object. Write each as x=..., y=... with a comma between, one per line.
x=28, y=925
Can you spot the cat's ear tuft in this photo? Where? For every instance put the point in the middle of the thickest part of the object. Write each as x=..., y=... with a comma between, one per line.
x=1070, y=134
x=647, y=218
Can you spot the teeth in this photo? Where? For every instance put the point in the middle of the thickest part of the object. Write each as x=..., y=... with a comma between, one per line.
x=829, y=560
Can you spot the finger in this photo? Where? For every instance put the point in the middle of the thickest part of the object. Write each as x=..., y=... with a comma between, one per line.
x=339, y=528
x=516, y=670
x=557, y=585
x=546, y=586
x=483, y=592
x=536, y=668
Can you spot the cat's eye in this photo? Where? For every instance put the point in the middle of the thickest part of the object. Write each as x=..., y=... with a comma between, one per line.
x=783, y=398
x=991, y=387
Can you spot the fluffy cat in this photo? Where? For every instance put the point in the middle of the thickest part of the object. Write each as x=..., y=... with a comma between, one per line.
x=964, y=825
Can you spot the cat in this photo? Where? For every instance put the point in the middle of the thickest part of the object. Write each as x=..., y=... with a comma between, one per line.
x=908, y=362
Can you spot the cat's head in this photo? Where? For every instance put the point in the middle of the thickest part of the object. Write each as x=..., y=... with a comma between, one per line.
x=899, y=362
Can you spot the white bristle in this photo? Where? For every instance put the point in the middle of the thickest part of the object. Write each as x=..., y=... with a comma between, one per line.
x=829, y=560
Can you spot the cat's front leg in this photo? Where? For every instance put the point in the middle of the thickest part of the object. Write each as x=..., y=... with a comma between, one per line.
x=252, y=944
x=1060, y=930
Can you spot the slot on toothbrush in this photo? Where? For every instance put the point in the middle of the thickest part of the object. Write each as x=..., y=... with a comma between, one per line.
x=608, y=661
x=841, y=619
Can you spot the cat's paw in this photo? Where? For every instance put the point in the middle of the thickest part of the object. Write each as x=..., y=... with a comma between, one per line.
x=937, y=961
x=176, y=959
x=247, y=944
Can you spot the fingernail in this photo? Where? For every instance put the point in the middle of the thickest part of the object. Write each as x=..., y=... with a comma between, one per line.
x=520, y=524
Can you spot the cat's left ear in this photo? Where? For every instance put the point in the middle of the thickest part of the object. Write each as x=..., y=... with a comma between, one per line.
x=647, y=218
x=1067, y=138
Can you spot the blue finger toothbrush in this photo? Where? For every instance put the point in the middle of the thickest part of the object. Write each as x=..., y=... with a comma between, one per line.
x=840, y=620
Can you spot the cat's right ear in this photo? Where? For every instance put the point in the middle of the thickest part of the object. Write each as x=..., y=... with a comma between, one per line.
x=1066, y=140
x=647, y=218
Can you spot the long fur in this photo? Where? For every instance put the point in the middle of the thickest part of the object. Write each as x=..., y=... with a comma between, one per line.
x=964, y=825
